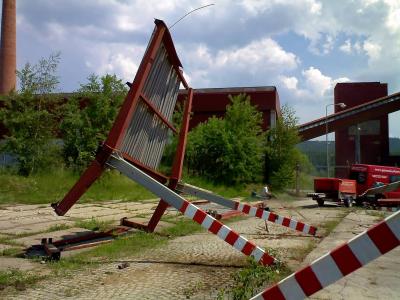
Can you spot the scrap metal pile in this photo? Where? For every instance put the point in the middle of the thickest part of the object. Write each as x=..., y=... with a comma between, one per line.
x=135, y=146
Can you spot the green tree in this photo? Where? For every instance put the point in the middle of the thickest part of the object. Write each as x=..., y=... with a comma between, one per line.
x=31, y=115
x=282, y=156
x=88, y=117
x=229, y=150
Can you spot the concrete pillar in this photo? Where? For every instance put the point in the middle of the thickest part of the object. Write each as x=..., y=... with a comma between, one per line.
x=8, y=55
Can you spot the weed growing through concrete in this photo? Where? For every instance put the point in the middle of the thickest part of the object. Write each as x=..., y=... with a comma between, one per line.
x=94, y=224
x=375, y=213
x=252, y=278
x=18, y=279
x=13, y=251
x=58, y=227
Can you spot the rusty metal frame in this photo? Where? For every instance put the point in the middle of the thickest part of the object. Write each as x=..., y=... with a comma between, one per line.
x=160, y=37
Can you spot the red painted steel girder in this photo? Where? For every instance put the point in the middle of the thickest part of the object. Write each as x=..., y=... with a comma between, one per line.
x=345, y=118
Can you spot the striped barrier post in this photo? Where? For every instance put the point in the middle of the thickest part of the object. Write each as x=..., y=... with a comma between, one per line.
x=192, y=211
x=247, y=209
x=338, y=263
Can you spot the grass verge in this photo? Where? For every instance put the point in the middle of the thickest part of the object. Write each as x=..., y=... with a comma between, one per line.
x=51, y=187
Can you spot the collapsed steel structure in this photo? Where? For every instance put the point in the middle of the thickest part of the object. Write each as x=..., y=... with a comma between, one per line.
x=137, y=141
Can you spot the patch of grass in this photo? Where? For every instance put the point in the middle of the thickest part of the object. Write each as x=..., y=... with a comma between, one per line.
x=58, y=227
x=182, y=227
x=223, y=190
x=51, y=187
x=248, y=280
x=13, y=251
x=18, y=279
x=330, y=225
x=300, y=253
x=8, y=240
x=376, y=213
x=93, y=224
x=121, y=247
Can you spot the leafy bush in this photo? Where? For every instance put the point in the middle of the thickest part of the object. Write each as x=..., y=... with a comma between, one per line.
x=31, y=117
x=229, y=150
x=88, y=117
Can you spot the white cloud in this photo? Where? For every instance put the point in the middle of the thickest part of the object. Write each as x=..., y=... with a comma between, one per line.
x=373, y=50
x=316, y=81
x=346, y=47
x=289, y=82
x=393, y=18
x=115, y=59
x=265, y=53
x=261, y=60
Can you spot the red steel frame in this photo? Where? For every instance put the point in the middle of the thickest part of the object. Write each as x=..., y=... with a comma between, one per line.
x=116, y=135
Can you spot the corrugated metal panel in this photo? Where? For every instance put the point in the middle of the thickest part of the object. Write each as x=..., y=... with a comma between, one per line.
x=147, y=134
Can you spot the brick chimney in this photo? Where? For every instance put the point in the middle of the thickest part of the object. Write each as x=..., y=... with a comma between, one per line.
x=8, y=55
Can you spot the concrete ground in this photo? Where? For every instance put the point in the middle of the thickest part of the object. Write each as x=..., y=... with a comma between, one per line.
x=194, y=266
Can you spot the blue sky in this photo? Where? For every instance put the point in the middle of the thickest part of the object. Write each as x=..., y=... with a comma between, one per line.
x=302, y=47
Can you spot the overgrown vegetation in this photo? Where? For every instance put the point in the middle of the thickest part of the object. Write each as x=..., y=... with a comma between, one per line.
x=31, y=116
x=88, y=116
x=282, y=156
x=36, y=117
x=229, y=150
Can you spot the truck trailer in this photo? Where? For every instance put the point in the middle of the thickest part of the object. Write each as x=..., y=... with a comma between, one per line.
x=365, y=183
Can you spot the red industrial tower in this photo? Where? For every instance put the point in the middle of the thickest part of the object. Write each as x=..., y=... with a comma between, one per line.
x=365, y=142
x=8, y=56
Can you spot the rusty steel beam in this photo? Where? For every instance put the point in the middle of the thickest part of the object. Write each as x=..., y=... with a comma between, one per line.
x=345, y=118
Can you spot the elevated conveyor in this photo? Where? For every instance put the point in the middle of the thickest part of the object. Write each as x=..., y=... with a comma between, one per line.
x=354, y=115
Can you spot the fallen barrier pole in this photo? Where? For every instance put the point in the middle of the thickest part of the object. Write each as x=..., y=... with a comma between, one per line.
x=247, y=209
x=191, y=211
x=345, y=259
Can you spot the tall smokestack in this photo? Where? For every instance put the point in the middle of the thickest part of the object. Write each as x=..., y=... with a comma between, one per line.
x=8, y=55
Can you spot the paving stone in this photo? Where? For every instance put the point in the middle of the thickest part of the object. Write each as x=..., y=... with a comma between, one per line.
x=168, y=272
x=33, y=227
x=22, y=264
x=4, y=247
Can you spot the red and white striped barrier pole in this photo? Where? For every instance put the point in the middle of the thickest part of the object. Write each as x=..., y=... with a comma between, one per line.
x=247, y=209
x=225, y=233
x=274, y=218
x=192, y=211
x=338, y=263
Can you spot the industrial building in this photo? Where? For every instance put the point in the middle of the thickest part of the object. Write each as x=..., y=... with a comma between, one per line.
x=213, y=101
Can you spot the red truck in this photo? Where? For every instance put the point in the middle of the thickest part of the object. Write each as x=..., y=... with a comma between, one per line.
x=365, y=183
